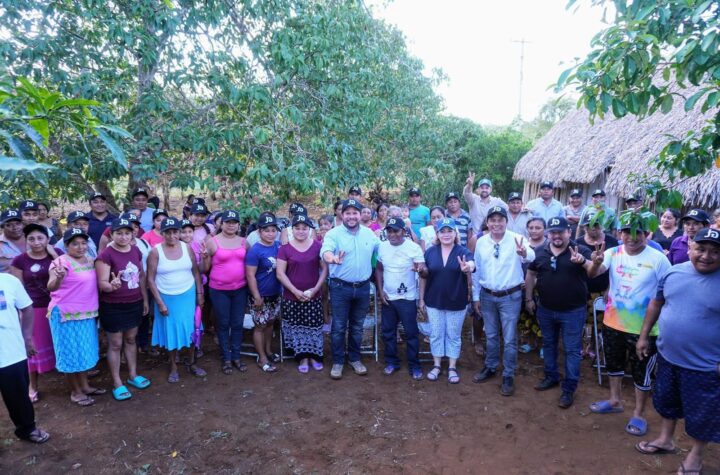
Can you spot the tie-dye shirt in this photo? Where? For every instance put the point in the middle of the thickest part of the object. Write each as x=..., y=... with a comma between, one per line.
x=633, y=282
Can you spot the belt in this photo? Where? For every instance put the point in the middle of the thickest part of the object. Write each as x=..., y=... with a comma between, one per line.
x=349, y=284
x=503, y=293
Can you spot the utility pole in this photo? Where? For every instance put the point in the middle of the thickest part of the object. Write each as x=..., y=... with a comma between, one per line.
x=522, y=42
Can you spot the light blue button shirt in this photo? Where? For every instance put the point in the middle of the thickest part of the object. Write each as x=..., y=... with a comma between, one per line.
x=359, y=248
x=91, y=249
x=146, y=219
x=540, y=209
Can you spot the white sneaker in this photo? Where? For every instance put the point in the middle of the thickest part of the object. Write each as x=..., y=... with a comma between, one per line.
x=336, y=371
x=359, y=368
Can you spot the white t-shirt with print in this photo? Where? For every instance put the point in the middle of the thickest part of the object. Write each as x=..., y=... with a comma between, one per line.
x=399, y=278
x=13, y=297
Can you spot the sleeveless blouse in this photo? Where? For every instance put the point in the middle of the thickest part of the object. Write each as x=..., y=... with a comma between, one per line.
x=174, y=276
x=228, y=267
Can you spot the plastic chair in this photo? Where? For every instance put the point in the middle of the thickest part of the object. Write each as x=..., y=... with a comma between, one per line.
x=372, y=321
x=248, y=324
x=598, y=306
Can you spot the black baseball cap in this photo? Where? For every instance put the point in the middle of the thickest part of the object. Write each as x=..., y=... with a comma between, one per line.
x=130, y=217
x=395, y=223
x=546, y=184
x=302, y=219
x=268, y=220
x=199, y=208
x=170, y=223
x=184, y=223
x=230, y=215
x=121, y=223
x=72, y=233
x=96, y=194
x=293, y=210
x=587, y=217
x=575, y=192
x=197, y=200
x=351, y=204
x=75, y=215
x=35, y=227
x=698, y=215
x=10, y=215
x=414, y=191
x=451, y=195
x=497, y=210
x=28, y=205
x=558, y=224
x=633, y=197
x=140, y=191
x=355, y=189
x=514, y=196
x=708, y=235
x=598, y=192
x=160, y=212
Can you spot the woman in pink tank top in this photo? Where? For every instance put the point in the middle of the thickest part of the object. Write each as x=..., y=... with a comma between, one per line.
x=224, y=256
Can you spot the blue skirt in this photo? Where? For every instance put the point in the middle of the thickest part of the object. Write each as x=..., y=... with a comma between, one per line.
x=75, y=343
x=175, y=331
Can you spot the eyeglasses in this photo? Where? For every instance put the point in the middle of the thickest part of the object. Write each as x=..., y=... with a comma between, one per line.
x=553, y=263
x=496, y=254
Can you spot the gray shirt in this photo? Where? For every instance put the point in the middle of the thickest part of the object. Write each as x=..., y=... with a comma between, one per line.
x=544, y=211
x=479, y=209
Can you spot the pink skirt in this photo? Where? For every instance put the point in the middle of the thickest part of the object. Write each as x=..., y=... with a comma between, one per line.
x=44, y=359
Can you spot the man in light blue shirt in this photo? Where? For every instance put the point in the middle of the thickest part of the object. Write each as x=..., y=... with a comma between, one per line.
x=140, y=202
x=546, y=207
x=349, y=250
x=419, y=213
x=80, y=220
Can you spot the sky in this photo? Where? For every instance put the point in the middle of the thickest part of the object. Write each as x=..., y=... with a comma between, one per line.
x=472, y=41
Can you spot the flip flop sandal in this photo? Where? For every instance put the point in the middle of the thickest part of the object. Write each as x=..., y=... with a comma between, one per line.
x=242, y=367
x=636, y=426
x=197, y=371
x=267, y=368
x=651, y=449
x=93, y=373
x=303, y=368
x=227, y=367
x=173, y=378
x=434, y=373
x=274, y=358
x=139, y=382
x=38, y=437
x=121, y=393
x=317, y=366
x=604, y=407
x=687, y=471
x=97, y=392
x=88, y=401
x=453, y=376
x=34, y=397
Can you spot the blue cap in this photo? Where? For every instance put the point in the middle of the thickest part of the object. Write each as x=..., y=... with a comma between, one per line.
x=446, y=223
x=485, y=181
x=75, y=215
x=169, y=223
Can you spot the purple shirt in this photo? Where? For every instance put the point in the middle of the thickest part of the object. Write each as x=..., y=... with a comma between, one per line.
x=679, y=251
x=35, y=276
x=303, y=268
x=127, y=266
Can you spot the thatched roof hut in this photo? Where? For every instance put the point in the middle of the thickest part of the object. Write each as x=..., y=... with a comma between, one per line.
x=610, y=152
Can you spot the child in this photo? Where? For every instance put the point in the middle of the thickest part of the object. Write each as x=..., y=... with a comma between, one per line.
x=187, y=233
x=325, y=224
x=265, y=290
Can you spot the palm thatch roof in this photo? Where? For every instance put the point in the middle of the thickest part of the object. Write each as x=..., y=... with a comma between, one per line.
x=576, y=151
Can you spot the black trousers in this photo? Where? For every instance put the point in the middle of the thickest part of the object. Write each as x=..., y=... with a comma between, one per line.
x=14, y=382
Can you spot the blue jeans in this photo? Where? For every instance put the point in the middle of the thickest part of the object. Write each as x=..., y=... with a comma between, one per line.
x=349, y=308
x=568, y=324
x=501, y=313
x=404, y=311
x=229, y=306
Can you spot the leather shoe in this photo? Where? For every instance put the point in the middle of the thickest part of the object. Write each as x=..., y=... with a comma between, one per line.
x=484, y=375
x=546, y=384
x=508, y=386
x=566, y=399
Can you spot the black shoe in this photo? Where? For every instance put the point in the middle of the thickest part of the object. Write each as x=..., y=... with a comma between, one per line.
x=484, y=375
x=508, y=386
x=566, y=399
x=546, y=384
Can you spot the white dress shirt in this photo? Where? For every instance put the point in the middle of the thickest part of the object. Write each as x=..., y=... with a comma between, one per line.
x=504, y=271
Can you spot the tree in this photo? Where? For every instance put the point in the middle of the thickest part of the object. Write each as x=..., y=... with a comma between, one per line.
x=653, y=53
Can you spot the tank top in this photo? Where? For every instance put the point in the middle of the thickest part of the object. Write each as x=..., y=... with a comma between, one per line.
x=174, y=277
x=228, y=267
x=77, y=296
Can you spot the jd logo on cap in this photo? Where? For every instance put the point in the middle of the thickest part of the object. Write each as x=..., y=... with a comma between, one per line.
x=11, y=213
x=77, y=231
x=496, y=209
x=300, y=218
x=554, y=222
x=124, y=222
x=713, y=234
x=170, y=221
x=693, y=213
x=268, y=219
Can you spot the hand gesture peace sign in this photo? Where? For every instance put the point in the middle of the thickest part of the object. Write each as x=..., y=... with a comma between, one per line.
x=203, y=250
x=598, y=254
x=59, y=269
x=576, y=257
x=470, y=179
x=115, y=281
x=520, y=247
x=338, y=259
x=464, y=266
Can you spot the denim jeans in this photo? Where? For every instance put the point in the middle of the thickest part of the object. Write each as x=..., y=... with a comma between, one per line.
x=568, y=324
x=14, y=381
x=229, y=306
x=349, y=308
x=404, y=311
x=501, y=313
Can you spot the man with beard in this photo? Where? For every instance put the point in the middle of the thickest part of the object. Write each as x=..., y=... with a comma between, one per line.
x=635, y=271
x=349, y=249
x=687, y=309
x=545, y=206
x=559, y=273
x=99, y=218
x=462, y=219
x=481, y=202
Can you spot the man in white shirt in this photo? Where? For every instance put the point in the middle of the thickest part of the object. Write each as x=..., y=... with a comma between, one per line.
x=399, y=261
x=15, y=346
x=517, y=216
x=497, y=294
x=546, y=206
x=480, y=203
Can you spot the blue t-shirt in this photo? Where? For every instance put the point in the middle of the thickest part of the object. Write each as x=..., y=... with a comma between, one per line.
x=446, y=287
x=689, y=321
x=419, y=217
x=263, y=257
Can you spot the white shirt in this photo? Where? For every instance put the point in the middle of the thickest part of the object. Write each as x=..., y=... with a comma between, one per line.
x=427, y=234
x=504, y=271
x=399, y=278
x=544, y=211
x=13, y=297
x=479, y=208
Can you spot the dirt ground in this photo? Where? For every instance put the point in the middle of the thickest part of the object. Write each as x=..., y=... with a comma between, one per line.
x=292, y=423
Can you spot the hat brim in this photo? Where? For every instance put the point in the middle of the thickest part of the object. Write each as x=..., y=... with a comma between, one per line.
x=696, y=219
x=346, y=207
x=558, y=229
x=147, y=195
x=496, y=213
x=73, y=236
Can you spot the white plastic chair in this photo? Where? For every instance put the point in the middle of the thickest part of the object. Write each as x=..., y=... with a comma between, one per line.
x=598, y=306
x=372, y=320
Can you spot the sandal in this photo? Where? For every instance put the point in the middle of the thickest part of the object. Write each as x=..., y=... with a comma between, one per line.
x=317, y=366
x=434, y=373
x=227, y=367
x=636, y=426
x=651, y=449
x=96, y=392
x=303, y=368
x=274, y=358
x=173, y=378
x=37, y=437
x=139, y=382
x=88, y=401
x=93, y=373
x=453, y=376
x=687, y=471
x=121, y=393
x=34, y=396
x=267, y=368
x=242, y=367
x=197, y=371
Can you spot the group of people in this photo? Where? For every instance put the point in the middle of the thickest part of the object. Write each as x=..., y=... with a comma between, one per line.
x=439, y=264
